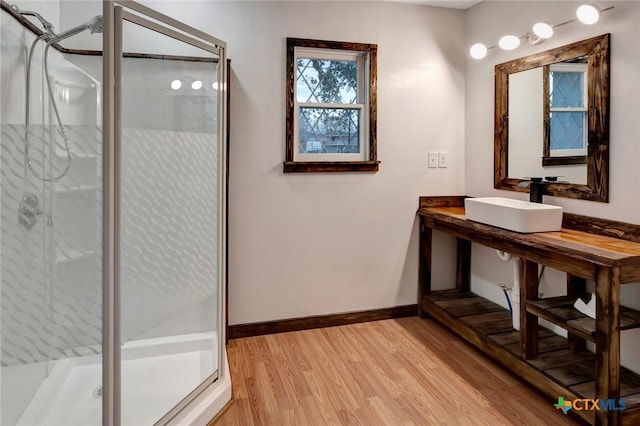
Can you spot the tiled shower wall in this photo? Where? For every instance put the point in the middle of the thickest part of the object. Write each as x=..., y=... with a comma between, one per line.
x=169, y=242
x=50, y=291
x=51, y=287
x=51, y=275
x=169, y=234
x=51, y=295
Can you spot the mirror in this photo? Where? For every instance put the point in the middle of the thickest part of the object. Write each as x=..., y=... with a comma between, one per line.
x=552, y=120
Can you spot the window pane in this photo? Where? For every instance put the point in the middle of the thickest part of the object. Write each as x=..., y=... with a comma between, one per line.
x=329, y=131
x=326, y=81
x=567, y=89
x=568, y=130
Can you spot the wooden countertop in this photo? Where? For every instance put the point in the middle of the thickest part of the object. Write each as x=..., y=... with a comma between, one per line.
x=578, y=251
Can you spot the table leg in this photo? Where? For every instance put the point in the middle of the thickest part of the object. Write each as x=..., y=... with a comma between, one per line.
x=463, y=265
x=528, y=322
x=607, y=341
x=424, y=274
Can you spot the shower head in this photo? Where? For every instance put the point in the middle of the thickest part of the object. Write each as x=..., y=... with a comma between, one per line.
x=94, y=25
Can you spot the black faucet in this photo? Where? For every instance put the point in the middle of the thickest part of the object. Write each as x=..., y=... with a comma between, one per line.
x=536, y=190
x=536, y=187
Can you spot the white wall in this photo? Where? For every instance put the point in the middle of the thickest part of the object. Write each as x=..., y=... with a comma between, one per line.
x=313, y=244
x=303, y=245
x=325, y=243
x=316, y=244
x=486, y=23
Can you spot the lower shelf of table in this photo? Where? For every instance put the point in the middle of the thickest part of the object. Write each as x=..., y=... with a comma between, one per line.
x=557, y=368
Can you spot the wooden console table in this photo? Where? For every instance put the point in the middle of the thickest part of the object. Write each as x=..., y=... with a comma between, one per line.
x=586, y=248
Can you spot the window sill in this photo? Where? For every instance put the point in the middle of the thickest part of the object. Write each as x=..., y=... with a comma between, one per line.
x=561, y=161
x=330, y=166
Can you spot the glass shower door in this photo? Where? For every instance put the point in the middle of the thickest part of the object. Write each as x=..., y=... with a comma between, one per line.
x=170, y=224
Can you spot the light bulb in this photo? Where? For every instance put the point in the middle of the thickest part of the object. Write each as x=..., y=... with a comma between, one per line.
x=215, y=85
x=196, y=85
x=478, y=51
x=543, y=30
x=588, y=14
x=176, y=84
x=509, y=42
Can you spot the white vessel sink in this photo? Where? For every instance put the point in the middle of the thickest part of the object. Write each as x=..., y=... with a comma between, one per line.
x=514, y=215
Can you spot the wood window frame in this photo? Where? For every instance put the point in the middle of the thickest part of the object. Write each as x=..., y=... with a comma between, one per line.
x=371, y=164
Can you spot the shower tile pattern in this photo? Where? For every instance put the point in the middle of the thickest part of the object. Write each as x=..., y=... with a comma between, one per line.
x=51, y=303
x=51, y=293
x=168, y=227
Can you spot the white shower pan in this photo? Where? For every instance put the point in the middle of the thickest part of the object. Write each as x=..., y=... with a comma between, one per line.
x=156, y=374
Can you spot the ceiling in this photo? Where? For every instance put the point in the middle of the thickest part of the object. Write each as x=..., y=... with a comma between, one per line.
x=454, y=4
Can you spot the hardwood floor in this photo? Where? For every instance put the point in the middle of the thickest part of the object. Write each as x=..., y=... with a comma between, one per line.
x=404, y=371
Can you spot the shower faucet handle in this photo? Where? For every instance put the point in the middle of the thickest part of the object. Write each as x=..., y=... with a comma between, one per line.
x=29, y=211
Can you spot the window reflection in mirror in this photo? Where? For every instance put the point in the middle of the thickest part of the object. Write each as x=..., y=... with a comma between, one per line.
x=547, y=123
x=565, y=113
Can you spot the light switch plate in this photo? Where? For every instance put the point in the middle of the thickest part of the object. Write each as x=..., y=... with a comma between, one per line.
x=433, y=159
x=443, y=159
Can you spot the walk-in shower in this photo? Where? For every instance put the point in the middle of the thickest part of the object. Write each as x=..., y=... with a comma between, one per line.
x=111, y=295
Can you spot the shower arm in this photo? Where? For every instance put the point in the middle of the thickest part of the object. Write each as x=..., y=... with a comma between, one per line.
x=48, y=26
x=94, y=25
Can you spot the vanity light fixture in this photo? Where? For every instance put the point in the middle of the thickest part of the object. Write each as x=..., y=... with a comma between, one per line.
x=509, y=42
x=588, y=14
x=477, y=51
x=543, y=30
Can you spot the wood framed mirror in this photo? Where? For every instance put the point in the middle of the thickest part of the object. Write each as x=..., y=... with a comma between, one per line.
x=552, y=120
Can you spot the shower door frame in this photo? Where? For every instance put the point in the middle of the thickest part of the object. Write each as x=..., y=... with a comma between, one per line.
x=114, y=13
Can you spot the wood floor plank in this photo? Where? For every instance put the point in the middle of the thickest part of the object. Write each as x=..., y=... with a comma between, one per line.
x=323, y=379
x=407, y=371
x=417, y=403
x=337, y=376
x=285, y=381
x=292, y=363
x=356, y=382
x=272, y=375
x=373, y=368
x=265, y=399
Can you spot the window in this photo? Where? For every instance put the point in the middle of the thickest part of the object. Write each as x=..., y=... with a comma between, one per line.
x=567, y=133
x=331, y=106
